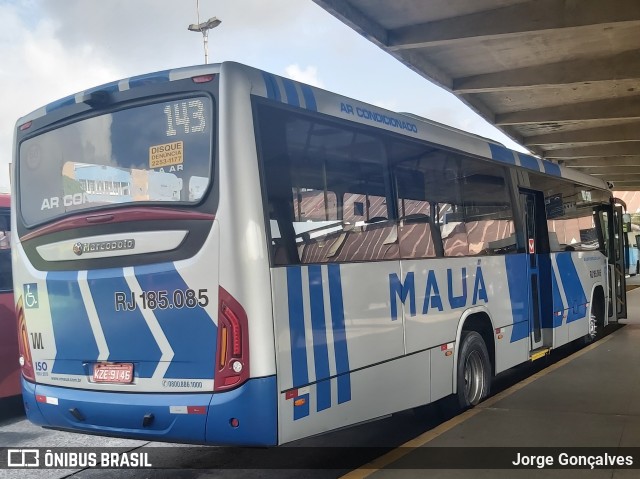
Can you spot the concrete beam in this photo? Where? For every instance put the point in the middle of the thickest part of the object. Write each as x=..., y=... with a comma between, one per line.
x=612, y=170
x=611, y=109
x=634, y=186
x=602, y=162
x=417, y=62
x=358, y=21
x=628, y=179
x=378, y=35
x=623, y=66
x=606, y=134
x=513, y=20
x=630, y=148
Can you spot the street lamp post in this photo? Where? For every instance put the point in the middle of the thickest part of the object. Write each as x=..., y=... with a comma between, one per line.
x=204, y=28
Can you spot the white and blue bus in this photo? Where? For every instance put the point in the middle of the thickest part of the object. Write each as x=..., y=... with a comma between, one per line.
x=220, y=255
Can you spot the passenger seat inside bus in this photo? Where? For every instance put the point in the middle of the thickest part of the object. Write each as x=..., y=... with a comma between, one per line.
x=419, y=237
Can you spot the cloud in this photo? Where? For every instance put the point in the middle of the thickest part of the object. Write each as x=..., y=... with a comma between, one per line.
x=37, y=69
x=309, y=75
x=150, y=35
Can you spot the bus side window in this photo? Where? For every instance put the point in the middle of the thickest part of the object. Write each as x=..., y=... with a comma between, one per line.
x=419, y=235
x=570, y=219
x=5, y=233
x=368, y=233
x=5, y=239
x=483, y=222
x=6, y=281
x=327, y=190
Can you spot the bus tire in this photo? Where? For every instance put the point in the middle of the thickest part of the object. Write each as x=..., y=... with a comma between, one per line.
x=593, y=332
x=474, y=370
x=596, y=317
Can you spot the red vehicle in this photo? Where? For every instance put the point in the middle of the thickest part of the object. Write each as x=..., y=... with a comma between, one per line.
x=9, y=367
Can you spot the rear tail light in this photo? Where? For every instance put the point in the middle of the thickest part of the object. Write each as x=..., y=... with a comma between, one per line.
x=26, y=361
x=202, y=78
x=232, y=352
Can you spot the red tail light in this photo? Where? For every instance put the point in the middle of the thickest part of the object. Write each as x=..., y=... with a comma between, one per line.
x=232, y=352
x=26, y=361
x=203, y=78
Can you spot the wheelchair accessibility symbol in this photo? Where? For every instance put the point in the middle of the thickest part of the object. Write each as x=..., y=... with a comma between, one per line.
x=31, y=295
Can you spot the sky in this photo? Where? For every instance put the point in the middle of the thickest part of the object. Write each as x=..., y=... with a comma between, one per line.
x=54, y=48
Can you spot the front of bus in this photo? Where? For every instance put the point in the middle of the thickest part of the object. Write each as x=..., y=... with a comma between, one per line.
x=124, y=326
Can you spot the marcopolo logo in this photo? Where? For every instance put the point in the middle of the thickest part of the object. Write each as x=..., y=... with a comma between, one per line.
x=103, y=246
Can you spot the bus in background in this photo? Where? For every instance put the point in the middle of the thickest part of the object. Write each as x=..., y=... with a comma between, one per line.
x=221, y=255
x=631, y=252
x=631, y=235
x=9, y=367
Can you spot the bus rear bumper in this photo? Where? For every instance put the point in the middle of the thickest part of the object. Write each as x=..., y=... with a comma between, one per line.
x=245, y=416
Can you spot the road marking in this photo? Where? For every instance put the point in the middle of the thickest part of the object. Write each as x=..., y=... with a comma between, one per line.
x=419, y=441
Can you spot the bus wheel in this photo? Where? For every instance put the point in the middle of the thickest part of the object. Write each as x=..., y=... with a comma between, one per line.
x=474, y=370
x=593, y=329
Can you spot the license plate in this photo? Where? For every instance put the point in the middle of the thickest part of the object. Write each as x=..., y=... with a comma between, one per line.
x=113, y=373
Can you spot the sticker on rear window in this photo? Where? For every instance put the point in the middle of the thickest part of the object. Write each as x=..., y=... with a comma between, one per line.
x=166, y=155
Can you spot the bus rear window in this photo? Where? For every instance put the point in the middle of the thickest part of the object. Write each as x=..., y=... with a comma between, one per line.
x=156, y=153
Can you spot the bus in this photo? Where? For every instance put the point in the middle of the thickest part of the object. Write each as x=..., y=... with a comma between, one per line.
x=220, y=255
x=632, y=261
x=9, y=367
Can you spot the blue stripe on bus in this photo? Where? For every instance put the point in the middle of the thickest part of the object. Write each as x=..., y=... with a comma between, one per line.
x=573, y=291
x=516, y=265
x=290, y=90
x=302, y=409
x=558, y=305
x=300, y=375
x=551, y=168
x=500, y=153
x=191, y=332
x=72, y=331
x=319, y=335
x=529, y=161
x=273, y=91
x=149, y=79
x=309, y=97
x=339, y=333
x=109, y=88
x=127, y=334
x=268, y=86
x=66, y=101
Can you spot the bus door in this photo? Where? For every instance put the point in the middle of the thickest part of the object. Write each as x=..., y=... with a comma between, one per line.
x=538, y=268
x=610, y=234
x=616, y=265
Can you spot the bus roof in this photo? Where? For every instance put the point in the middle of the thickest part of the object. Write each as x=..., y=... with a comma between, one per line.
x=491, y=149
